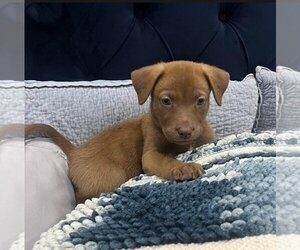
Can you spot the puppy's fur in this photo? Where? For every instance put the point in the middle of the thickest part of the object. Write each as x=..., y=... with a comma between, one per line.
x=176, y=122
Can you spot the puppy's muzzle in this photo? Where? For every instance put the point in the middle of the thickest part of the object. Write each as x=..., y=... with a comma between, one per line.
x=184, y=132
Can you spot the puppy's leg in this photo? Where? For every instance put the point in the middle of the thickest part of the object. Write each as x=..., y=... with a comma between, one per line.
x=92, y=180
x=164, y=166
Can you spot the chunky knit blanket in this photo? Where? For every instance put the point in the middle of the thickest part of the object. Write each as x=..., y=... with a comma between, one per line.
x=235, y=198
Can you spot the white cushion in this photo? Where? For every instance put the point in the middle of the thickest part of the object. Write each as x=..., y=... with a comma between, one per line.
x=49, y=192
x=11, y=190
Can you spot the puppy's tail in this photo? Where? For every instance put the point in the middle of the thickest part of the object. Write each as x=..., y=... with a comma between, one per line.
x=43, y=130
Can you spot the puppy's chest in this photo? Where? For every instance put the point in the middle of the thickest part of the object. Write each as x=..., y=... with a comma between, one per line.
x=174, y=149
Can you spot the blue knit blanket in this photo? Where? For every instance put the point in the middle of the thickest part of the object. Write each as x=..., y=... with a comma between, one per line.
x=235, y=198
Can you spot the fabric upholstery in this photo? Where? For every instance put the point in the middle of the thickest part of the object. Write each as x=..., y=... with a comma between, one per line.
x=288, y=81
x=11, y=190
x=49, y=192
x=79, y=110
x=12, y=102
x=266, y=112
x=71, y=42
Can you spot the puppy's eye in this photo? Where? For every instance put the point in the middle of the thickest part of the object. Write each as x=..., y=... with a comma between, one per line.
x=200, y=101
x=166, y=101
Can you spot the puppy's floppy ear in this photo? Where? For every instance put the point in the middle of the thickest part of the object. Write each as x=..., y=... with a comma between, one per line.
x=218, y=80
x=144, y=79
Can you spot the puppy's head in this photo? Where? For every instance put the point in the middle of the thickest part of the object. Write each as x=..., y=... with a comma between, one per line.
x=180, y=96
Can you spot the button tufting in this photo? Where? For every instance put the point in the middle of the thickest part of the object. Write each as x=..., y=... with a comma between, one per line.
x=223, y=17
x=139, y=10
x=162, y=32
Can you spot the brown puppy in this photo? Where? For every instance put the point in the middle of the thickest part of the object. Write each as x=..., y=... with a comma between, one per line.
x=176, y=122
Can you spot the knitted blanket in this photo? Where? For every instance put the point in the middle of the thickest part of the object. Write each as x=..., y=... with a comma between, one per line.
x=234, y=199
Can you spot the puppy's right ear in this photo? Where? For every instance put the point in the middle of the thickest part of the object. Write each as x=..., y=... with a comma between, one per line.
x=144, y=80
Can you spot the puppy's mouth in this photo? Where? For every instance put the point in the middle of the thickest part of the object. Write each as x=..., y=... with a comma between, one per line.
x=172, y=136
x=182, y=142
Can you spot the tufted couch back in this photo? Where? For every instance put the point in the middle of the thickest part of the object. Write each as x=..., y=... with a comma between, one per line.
x=91, y=41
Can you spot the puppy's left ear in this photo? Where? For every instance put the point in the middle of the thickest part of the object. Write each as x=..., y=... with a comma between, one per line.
x=144, y=80
x=218, y=80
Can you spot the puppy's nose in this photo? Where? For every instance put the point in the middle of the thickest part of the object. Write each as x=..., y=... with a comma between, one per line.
x=185, y=132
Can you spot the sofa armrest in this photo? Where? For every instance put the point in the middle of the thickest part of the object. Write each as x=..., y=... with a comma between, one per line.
x=49, y=192
x=11, y=190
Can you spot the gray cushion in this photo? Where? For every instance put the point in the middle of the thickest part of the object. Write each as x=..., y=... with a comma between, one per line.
x=12, y=100
x=288, y=114
x=238, y=111
x=266, y=112
x=79, y=110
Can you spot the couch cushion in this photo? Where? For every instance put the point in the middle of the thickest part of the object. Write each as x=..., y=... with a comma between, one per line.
x=79, y=110
x=49, y=192
x=266, y=112
x=12, y=185
x=289, y=102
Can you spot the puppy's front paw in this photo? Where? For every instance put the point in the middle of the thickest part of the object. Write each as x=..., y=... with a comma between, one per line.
x=187, y=171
